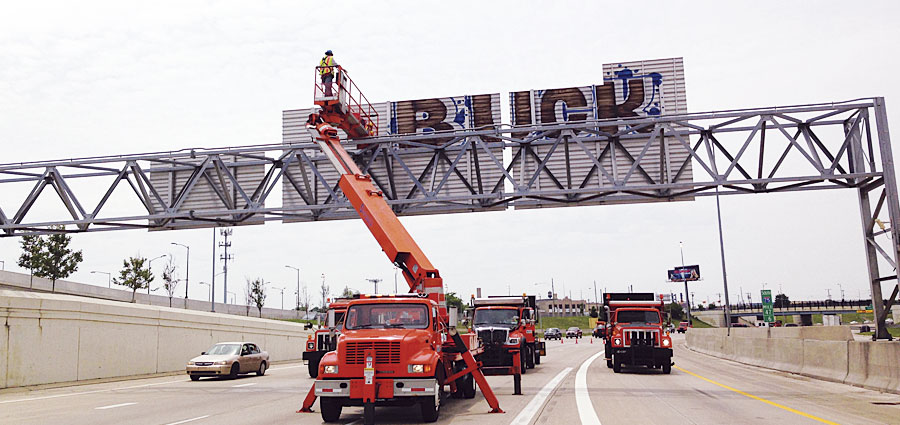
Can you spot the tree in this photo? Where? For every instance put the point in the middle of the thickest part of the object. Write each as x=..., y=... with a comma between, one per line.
x=32, y=245
x=348, y=293
x=594, y=311
x=782, y=301
x=57, y=261
x=454, y=301
x=256, y=293
x=170, y=282
x=675, y=311
x=134, y=275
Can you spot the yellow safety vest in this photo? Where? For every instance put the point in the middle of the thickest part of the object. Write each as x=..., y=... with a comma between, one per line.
x=326, y=64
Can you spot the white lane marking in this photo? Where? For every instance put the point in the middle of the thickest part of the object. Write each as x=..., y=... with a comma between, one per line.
x=113, y=406
x=286, y=367
x=189, y=420
x=243, y=385
x=88, y=392
x=582, y=399
x=525, y=416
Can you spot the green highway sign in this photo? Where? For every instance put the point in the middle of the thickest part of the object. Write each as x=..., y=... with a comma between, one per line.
x=768, y=307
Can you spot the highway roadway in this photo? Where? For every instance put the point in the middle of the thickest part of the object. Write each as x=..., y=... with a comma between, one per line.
x=573, y=385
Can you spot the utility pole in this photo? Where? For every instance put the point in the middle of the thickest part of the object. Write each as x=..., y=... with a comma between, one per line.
x=226, y=257
x=212, y=289
x=596, y=300
x=375, y=281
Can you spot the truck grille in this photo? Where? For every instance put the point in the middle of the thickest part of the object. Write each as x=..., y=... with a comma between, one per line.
x=641, y=337
x=493, y=336
x=385, y=352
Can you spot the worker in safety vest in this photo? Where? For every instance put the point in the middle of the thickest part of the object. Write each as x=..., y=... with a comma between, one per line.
x=326, y=71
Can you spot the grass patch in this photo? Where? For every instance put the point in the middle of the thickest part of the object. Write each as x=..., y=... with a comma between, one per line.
x=564, y=323
x=895, y=332
x=701, y=324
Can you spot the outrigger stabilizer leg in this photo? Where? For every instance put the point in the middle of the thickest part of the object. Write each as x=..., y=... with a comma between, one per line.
x=309, y=400
x=474, y=368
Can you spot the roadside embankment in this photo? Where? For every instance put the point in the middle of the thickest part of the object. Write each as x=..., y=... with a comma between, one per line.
x=53, y=338
x=822, y=352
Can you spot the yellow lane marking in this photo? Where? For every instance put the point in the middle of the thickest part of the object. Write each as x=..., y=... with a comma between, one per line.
x=771, y=403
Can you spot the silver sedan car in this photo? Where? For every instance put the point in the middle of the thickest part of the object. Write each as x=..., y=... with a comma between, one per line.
x=229, y=359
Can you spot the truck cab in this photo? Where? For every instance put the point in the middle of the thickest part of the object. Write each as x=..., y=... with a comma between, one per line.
x=390, y=351
x=635, y=332
x=325, y=340
x=505, y=326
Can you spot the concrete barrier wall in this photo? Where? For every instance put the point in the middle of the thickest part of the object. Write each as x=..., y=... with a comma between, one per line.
x=21, y=281
x=823, y=352
x=52, y=338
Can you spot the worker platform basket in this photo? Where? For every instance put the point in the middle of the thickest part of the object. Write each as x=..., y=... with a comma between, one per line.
x=343, y=105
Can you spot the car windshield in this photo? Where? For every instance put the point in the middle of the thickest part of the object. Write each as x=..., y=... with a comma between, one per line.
x=553, y=330
x=574, y=329
x=486, y=316
x=224, y=349
x=637, y=316
x=382, y=316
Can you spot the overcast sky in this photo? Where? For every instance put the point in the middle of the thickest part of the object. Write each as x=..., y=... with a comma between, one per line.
x=97, y=78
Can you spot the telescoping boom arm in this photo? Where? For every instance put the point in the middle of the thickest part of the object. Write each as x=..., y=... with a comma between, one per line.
x=342, y=110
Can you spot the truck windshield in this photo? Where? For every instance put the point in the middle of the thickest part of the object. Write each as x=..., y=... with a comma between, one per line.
x=484, y=316
x=634, y=316
x=382, y=316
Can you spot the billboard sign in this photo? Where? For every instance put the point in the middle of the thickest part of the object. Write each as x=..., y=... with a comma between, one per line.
x=685, y=274
x=768, y=307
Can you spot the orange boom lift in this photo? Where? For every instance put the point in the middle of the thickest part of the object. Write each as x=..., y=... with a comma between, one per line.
x=348, y=384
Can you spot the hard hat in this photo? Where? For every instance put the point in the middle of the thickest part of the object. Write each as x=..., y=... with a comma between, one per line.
x=328, y=53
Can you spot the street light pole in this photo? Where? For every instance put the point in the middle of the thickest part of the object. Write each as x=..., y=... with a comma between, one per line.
x=297, y=269
x=108, y=278
x=187, y=270
x=724, y=273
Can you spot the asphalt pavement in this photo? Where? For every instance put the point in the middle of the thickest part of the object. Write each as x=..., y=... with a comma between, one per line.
x=571, y=386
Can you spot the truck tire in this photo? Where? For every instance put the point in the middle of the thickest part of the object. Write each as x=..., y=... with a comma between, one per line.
x=369, y=413
x=431, y=405
x=617, y=365
x=537, y=357
x=529, y=356
x=468, y=389
x=522, y=355
x=331, y=408
x=609, y=363
x=667, y=367
x=313, y=368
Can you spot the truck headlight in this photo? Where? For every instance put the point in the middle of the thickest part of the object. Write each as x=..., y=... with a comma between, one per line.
x=221, y=363
x=310, y=345
x=665, y=342
x=513, y=341
x=617, y=341
x=419, y=368
x=331, y=369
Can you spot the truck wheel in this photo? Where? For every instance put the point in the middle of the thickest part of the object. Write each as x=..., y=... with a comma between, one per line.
x=609, y=363
x=522, y=356
x=529, y=356
x=468, y=389
x=331, y=408
x=369, y=413
x=431, y=406
x=617, y=365
x=537, y=357
x=313, y=368
x=460, y=383
x=667, y=367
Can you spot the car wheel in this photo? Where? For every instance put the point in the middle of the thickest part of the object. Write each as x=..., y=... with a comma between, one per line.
x=331, y=408
x=235, y=370
x=262, y=369
x=195, y=377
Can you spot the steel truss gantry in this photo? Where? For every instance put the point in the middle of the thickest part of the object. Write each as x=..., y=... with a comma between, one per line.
x=637, y=159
